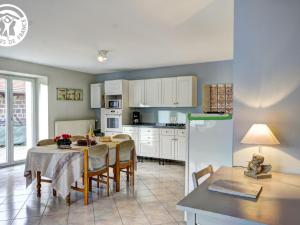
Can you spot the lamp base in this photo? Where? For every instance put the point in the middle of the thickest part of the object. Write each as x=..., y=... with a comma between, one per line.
x=258, y=176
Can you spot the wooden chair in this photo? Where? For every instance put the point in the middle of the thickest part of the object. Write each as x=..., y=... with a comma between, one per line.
x=197, y=175
x=125, y=162
x=77, y=137
x=44, y=142
x=201, y=173
x=93, y=172
x=121, y=137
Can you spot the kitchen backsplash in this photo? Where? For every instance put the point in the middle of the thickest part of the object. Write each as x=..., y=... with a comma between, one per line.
x=155, y=115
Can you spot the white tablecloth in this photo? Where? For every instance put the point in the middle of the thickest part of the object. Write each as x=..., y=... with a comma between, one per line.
x=63, y=167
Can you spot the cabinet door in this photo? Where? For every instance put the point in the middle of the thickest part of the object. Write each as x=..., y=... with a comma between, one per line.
x=153, y=92
x=96, y=96
x=136, y=93
x=180, y=145
x=185, y=91
x=168, y=92
x=167, y=147
x=113, y=87
x=149, y=148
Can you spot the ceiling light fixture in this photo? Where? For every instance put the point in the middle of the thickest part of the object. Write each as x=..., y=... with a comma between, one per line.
x=102, y=56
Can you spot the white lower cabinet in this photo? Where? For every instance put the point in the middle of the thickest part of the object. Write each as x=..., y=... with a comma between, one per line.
x=166, y=147
x=180, y=151
x=173, y=144
x=149, y=148
x=133, y=132
x=159, y=142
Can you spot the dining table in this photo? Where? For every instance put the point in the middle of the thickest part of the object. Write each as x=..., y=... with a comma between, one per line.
x=64, y=167
x=277, y=204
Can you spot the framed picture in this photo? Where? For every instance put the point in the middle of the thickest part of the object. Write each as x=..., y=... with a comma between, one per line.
x=69, y=94
x=78, y=94
x=61, y=94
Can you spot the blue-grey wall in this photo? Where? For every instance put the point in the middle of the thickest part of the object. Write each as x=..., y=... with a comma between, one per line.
x=267, y=78
x=214, y=72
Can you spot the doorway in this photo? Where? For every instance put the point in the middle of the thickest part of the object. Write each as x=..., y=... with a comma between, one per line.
x=17, y=107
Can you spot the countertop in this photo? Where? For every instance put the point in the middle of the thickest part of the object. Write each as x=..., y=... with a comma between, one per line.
x=154, y=125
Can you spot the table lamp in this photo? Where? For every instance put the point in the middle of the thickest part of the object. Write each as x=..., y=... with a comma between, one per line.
x=259, y=134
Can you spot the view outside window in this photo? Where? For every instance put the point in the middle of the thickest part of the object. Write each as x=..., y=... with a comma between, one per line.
x=21, y=124
x=22, y=118
x=3, y=149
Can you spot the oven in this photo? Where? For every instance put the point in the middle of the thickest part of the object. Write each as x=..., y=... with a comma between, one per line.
x=111, y=120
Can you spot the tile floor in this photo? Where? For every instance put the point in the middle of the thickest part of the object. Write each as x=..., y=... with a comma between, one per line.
x=158, y=188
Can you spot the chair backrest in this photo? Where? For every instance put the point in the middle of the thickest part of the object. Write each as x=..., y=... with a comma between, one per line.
x=121, y=137
x=197, y=175
x=77, y=137
x=45, y=142
x=99, y=153
x=126, y=150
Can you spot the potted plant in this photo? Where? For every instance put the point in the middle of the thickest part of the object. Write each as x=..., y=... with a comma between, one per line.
x=63, y=141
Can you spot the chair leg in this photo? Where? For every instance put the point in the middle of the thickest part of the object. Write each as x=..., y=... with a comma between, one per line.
x=98, y=182
x=132, y=174
x=107, y=182
x=127, y=173
x=90, y=184
x=68, y=199
x=38, y=183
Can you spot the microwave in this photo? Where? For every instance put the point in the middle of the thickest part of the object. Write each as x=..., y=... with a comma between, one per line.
x=114, y=104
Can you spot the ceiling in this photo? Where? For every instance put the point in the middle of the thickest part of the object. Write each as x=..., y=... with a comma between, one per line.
x=138, y=33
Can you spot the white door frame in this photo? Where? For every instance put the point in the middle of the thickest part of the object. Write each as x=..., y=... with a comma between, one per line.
x=9, y=116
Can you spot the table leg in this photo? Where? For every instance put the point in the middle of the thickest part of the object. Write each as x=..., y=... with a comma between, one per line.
x=117, y=168
x=85, y=177
x=68, y=199
x=191, y=219
x=38, y=183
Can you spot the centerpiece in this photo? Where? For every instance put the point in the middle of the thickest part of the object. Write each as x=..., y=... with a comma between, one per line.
x=63, y=141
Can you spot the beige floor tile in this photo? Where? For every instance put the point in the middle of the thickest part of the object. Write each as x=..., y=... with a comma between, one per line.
x=160, y=218
x=109, y=222
x=27, y=221
x=157, y=190
x=137, y=220
x=54, y=219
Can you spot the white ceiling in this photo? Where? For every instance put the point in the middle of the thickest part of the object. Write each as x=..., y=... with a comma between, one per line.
x=138, y=33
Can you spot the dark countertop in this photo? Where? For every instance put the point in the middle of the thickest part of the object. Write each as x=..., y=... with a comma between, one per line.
x=154, y=125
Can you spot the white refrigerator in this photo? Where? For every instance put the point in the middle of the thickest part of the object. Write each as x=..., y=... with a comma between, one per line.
x=210, y=143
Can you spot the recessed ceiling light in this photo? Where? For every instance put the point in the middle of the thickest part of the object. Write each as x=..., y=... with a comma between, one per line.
x=102, y=55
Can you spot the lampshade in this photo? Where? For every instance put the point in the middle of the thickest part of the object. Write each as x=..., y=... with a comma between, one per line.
x=260, y=134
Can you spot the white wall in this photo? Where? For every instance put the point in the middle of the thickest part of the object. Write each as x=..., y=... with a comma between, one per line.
x=267, y=78
x=58, y=110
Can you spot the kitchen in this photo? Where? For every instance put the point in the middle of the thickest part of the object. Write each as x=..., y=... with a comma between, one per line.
x=123, y=99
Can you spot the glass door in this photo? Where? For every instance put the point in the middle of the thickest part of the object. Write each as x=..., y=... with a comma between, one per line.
x=3, y=122
x=16, y=118
x=22, y=118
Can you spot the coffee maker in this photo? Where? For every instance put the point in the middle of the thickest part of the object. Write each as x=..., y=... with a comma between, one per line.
x=136, y=118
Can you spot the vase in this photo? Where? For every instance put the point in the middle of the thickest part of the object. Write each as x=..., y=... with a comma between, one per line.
x=64, y=143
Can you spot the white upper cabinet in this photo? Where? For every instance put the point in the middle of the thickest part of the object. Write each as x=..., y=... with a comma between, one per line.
x=97, y=93
x=136, y=93
x=164, y=92
x=153, y=92
x=168, y=90
x=186, y=95
x=113, y=87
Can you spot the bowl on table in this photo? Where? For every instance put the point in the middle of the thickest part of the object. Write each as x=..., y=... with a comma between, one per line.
x=84, y=142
